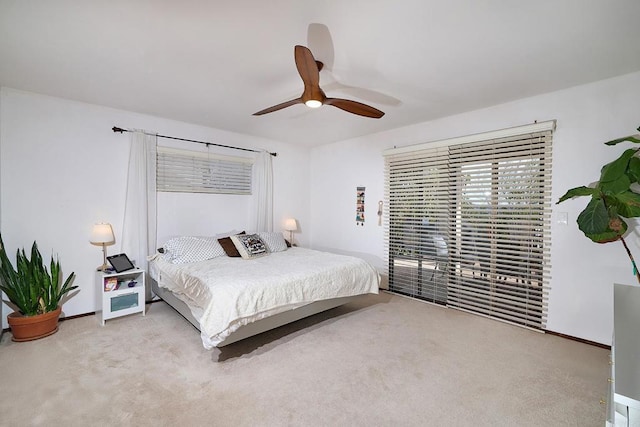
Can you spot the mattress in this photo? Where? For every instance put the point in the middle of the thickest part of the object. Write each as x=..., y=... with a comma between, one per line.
x=226, y=293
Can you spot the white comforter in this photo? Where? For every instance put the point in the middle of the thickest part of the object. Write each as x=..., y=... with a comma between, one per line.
x=231, y=292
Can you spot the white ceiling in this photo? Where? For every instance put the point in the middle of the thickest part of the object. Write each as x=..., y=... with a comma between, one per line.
x=214, y=63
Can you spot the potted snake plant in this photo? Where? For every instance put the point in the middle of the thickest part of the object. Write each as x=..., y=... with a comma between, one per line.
x=613, y=198
x=34, y=291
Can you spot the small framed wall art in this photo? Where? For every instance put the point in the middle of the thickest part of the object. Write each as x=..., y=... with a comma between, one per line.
x=360, y=205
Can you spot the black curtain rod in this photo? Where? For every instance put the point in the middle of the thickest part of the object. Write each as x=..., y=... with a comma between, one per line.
x=117, y=129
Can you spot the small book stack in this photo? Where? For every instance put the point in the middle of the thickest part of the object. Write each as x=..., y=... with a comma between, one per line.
x=110, y=283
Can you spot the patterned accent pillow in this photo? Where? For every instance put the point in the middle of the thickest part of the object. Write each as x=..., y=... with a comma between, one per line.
x=249, y=245
x=228, y=246
x=186, y=249
x=275, y=241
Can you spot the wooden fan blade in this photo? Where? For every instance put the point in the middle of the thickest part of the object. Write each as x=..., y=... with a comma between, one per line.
x=354, y=107
x=279, y=107
x=307, y=66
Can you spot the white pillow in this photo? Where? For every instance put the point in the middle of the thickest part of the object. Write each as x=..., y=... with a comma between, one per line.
x=185, y=249
x=249, y=245
x=275, y=241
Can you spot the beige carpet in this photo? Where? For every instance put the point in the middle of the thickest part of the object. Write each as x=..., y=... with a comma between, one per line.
x=385, y=361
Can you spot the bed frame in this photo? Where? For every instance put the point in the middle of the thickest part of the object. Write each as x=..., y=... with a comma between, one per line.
x=259, y=326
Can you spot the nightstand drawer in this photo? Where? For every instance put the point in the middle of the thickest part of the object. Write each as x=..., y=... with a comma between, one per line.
x=125, y=301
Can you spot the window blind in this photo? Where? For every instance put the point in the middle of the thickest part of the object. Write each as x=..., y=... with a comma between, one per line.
x=468, y=224
x=200, y=172
x=418, y=211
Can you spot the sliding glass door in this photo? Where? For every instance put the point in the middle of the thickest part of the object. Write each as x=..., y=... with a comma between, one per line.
x=418, y=226
x=469, y=226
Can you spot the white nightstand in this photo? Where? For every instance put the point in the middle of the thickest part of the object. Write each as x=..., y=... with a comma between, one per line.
x=121, y=301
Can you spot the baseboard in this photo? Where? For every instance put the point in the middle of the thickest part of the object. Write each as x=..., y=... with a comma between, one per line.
x=76, y=316
x=582, y=340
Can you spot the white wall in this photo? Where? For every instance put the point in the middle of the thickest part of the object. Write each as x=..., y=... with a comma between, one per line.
x=580, y=302
x=62, y=169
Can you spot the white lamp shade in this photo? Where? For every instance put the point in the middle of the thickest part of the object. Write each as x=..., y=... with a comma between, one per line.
x=102, y=234
x=290, y=224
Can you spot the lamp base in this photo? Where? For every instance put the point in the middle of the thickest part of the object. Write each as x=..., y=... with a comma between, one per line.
x=104, y=265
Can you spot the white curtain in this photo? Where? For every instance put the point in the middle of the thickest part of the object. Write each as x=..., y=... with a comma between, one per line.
x=263, y=192
x=139, y=226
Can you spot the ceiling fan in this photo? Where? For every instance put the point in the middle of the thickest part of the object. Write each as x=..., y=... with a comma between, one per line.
x=313, y=96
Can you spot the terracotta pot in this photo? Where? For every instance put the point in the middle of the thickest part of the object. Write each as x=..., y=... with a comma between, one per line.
x=27, y=328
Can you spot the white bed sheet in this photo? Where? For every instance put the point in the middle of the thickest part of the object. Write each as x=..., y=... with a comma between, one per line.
x=226, y=293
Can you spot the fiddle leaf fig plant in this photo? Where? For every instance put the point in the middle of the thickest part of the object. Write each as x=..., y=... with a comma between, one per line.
x=613, y=198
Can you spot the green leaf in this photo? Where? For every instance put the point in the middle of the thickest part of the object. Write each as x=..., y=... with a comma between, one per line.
x=630, y=138
x=578, y=191
x=609, y=235
x=616, y=186
x=633, y=171
x=600, y=224
x=615, y=169
x=594, y=219
x=627, y=204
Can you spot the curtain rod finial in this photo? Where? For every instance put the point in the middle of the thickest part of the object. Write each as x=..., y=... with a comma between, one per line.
x=117, y=129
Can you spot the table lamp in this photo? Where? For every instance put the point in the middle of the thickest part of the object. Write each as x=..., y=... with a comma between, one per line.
x=102, y=235
x=291, y=225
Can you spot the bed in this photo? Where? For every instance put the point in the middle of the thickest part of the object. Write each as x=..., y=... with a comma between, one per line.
x=232, y=298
